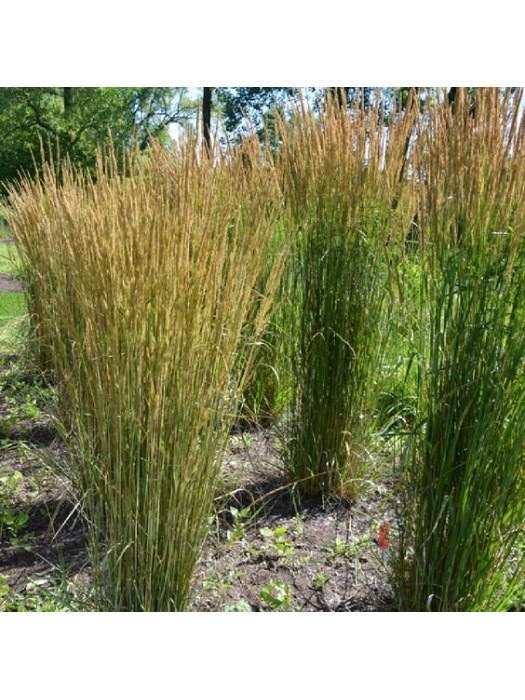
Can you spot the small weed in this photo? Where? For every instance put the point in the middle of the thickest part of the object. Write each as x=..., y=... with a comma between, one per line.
x=234, y=574
x=277, y=595
x=7, y=424
x=277, y=541
x=240, y=520
x=216, y=584
x=221, y=583
x=23, y=398
x=4, y=592
x=11, y=484
x=299, y=524
x=305, y=560
x=12, y=520
x=320, y=581
x=30, y=411
x=341, y=549
x=251, y=550
x=47, y=595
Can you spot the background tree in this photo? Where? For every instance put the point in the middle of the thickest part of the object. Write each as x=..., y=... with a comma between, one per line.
x=243, y=107
x=75, y=120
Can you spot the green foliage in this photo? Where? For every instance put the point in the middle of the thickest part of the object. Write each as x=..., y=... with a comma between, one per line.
x=242, y=106
x=76, y=121
x=240, y=521
x=278, y=541
x=48, y=594
x=320, y=581
x=13, y=519
x=4, y=592
x=277, y=596
x=461, y=522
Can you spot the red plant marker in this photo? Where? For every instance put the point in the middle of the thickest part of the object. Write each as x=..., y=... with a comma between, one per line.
x=384, y=534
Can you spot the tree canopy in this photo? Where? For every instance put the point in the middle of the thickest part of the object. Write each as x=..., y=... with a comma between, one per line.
x=77, y=120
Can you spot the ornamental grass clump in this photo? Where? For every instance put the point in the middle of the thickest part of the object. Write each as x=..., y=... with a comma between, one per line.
x=461, y=539
x=341, y=174
x=141, y=281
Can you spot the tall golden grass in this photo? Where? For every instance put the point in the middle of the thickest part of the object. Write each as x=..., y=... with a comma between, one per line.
x=342, y=173
x=149, y=287
x=140, y=283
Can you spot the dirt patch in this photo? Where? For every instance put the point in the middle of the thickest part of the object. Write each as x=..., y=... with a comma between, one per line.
x=10, y=283
x=271, y=550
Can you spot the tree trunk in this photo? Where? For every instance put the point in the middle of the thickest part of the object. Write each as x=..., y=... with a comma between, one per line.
x=68, y=101
x=451, y=97
x=206, y=117
x=68, y=109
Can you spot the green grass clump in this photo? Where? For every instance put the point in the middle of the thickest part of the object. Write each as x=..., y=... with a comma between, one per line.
x=340, y=174
x=141, y=284
x=461, y=523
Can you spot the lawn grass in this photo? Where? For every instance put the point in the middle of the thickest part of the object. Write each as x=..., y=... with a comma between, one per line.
x=9, y=259
x=4, y=230
x=13, y=311
x=12, y=306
